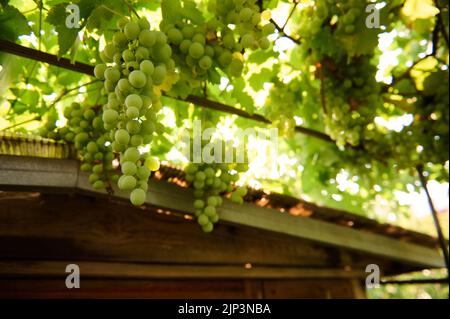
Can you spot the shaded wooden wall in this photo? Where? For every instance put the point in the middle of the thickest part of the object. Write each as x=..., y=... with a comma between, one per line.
x=130, y=252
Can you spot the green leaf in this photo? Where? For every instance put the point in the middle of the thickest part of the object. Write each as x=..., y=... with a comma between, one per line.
x=245, y=100
x=12, y=23
x=257, y=80
x=57, y=17
x=260, y=56
x=66, y=36
x=171, y=10
x=419, y=9
x=191, y=12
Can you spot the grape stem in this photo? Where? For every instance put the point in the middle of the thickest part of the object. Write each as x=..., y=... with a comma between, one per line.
x=281, y=31
x=290, y=15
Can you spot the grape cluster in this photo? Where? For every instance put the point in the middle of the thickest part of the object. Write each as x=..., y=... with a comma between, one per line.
x=281, y=105
x=135, y=64
x=352, y=98
x=85, y=129
x=48, y=128
x=200, y=49
x=210, y=181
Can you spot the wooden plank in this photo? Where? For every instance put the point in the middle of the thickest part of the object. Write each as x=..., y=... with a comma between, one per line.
x=34, y=173
x=105, y=288
x=311, y=289
x=162, y=194
x=113, y=270
x=99, y=230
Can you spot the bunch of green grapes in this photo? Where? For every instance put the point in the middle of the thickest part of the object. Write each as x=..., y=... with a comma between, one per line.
x=48, y=128
x=210, y=182
x=85, y=129
x=214, y=178
x=281, y=105
x=136, y=62
x=199, y=49
x=245, y=16
x=351, y=100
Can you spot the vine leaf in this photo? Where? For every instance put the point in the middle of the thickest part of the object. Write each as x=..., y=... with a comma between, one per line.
x=172, y=11
x=57, y=16
x=257, y=80
x=12, y=23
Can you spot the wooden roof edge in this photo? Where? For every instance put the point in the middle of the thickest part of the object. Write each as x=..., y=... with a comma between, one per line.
x=61, y=174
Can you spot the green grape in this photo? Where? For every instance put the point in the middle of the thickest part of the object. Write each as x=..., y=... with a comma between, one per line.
x=268, y=29
x=131, y=154
x=136, y=140
x=109, y=51
x=236, y=198
x=212, y=201
x=128, y=168
x=122, y=136
x=99, y=71
x=133, y=100
x=126, y=182
x=196, y=50
x=248, y=41
x=86, y=167
x=236, y=67
x=163, y=53
x=205, y=62
x=264, y=43
x=185, y=45
x=203, y=220
x=92, y=147
x=174, y=36
x=98, y=168
x=143, y=173
x=152, y=163
x=201, y=176
x=147, y=38
x=131, y=30
x=128, y=55
x=245, y=14
x=143, y=185
x=208, y=227
x=210, y=210
x=137, y=79
x=110, y=116
x=133, y=126
x=198, y=204
x=112, y=75
x=124, y=85
x=137, y=197
x=132, y=112
x=241, y=191
x=159, y=74
x=147, y=67
x=98, y=184
x=119, y=39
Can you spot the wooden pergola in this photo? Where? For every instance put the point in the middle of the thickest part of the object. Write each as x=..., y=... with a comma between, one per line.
x=50, y=217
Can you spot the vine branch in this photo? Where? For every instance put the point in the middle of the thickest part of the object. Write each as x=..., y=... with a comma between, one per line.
x=441, y=238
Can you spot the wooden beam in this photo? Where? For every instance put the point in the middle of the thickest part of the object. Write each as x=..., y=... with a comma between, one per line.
x=113, y=270
x=36, y=173
x=172, y=197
